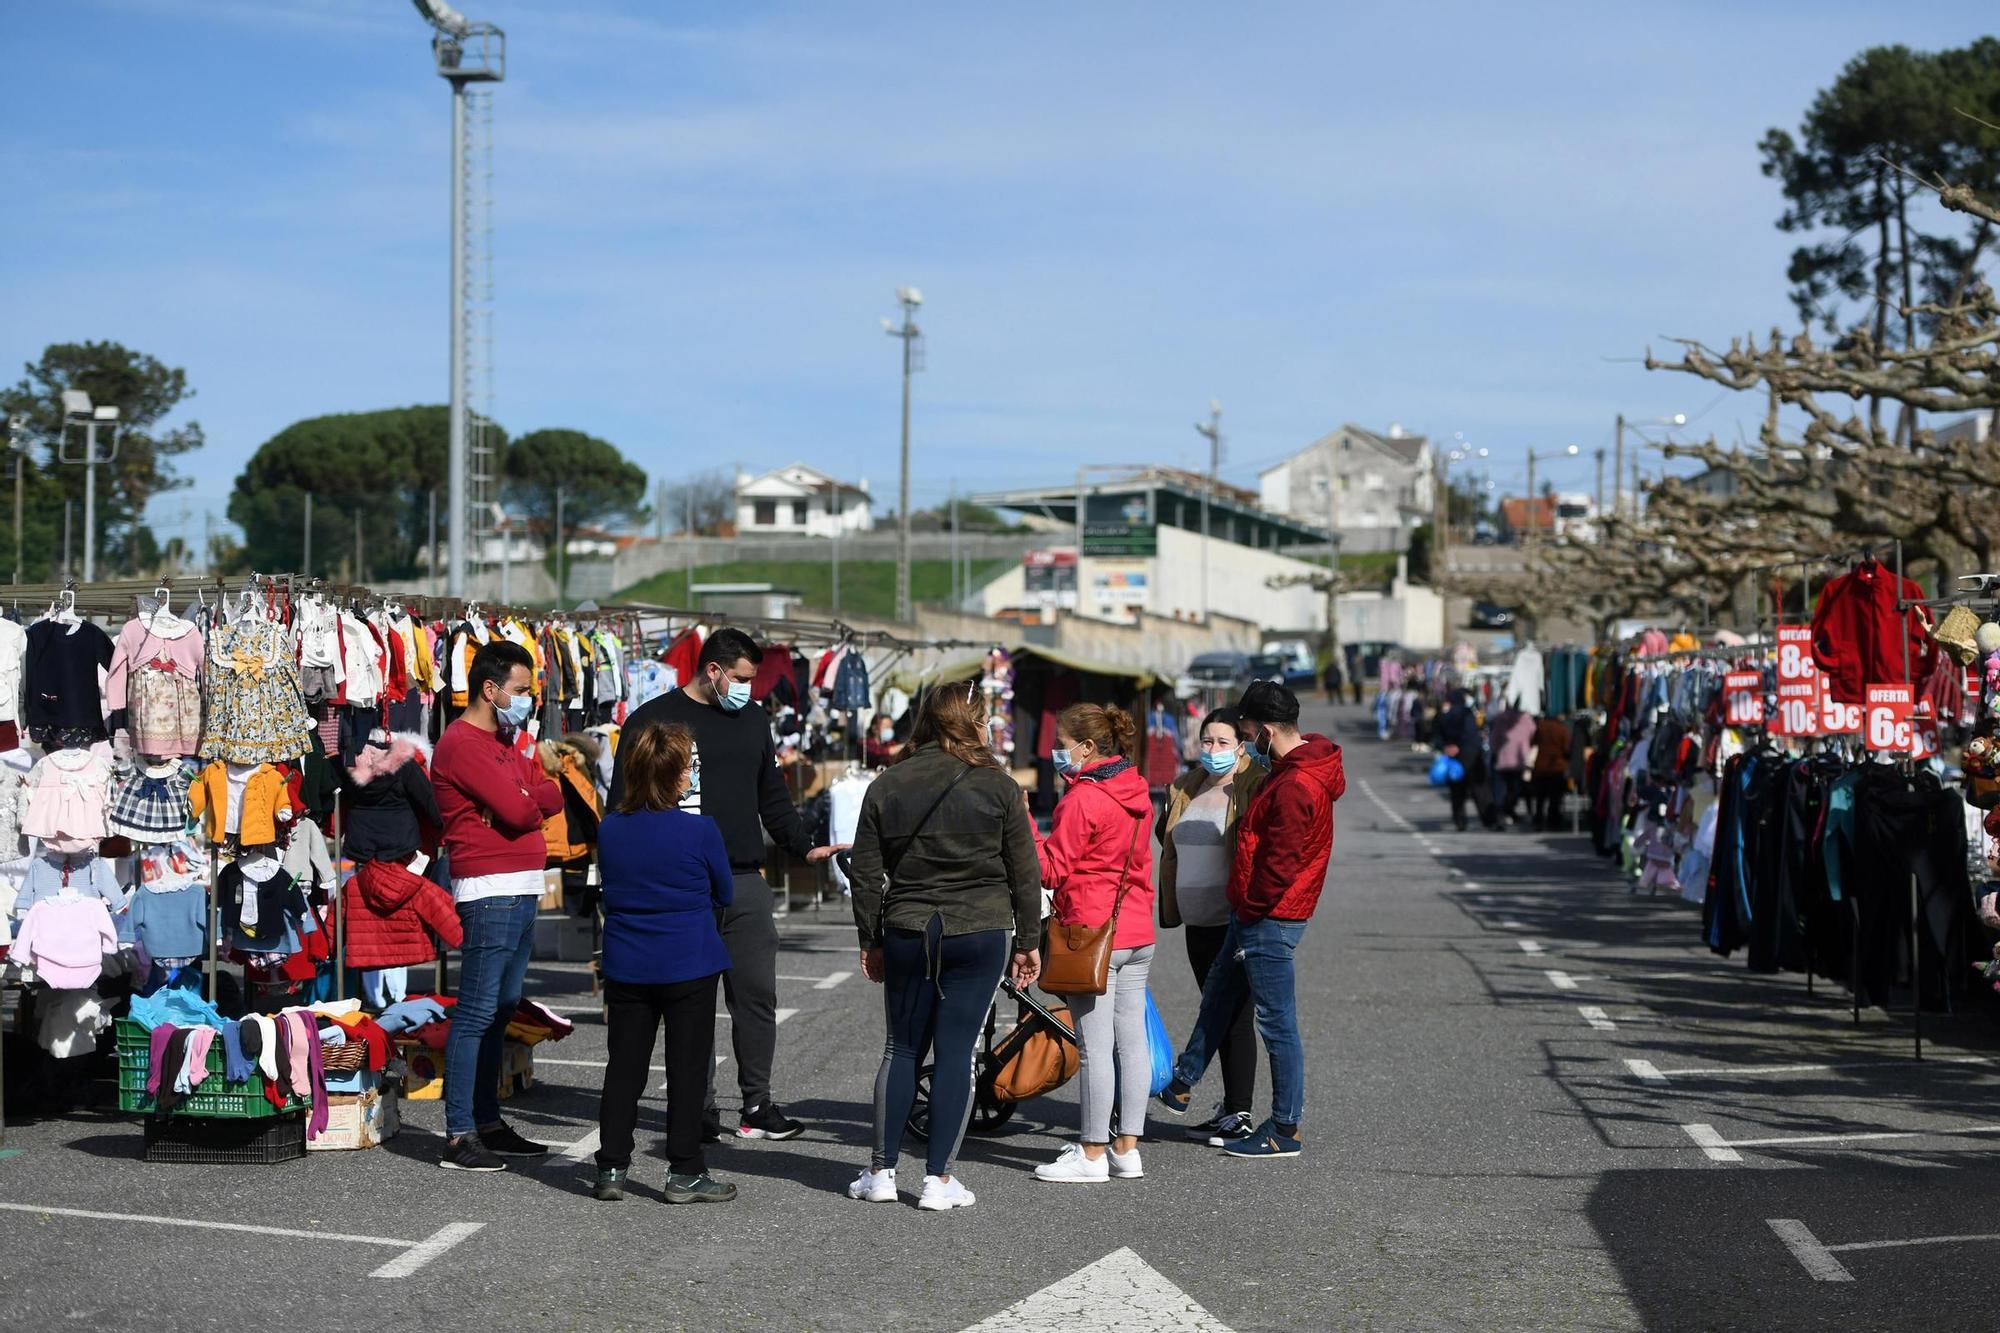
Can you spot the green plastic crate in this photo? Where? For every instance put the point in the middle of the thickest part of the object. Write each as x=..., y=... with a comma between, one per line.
x=228, y=1101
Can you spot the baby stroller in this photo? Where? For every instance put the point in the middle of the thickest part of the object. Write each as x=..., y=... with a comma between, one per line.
x=1037, y=1055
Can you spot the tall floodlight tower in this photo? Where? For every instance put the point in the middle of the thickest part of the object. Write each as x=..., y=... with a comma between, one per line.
x=469, y=53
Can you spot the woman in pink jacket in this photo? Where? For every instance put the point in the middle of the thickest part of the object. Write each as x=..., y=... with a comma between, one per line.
x=1098, y=849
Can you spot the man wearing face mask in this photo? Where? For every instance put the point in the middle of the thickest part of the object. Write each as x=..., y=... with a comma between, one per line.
x=1283, y=846
x=493, y=799
x=735, y=782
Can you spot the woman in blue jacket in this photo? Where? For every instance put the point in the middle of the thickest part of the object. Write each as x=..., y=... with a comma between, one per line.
x=666, y=881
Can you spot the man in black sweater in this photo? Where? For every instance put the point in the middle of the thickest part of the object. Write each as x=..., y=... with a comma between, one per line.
x=734, y=781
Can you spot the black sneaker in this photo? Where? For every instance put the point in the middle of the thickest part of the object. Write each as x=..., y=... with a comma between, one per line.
x=468, y=1153
x=768, y=1122
x=698, y=1189
x=1174, y=1098
x=610, y=1184
x=507, y=1143
x=1199, y=1133
x=1232, y=1128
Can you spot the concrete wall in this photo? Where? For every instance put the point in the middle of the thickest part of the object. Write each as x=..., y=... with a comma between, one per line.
x=643, y=560
x=1411, y=616
x=1236, y=580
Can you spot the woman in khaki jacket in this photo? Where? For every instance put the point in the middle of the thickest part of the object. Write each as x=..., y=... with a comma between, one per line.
x=1197, y=834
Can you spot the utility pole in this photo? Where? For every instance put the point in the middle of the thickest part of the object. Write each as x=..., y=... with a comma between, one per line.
x=560, y=544
x=956, y=598
x=1533, y=515
x=1600, y=488
x=17, y=444
x=69, y=507
x=1212, y=430
x=909, y=298
x=1618, y=470
x=687, y=546
x=306, y=562
x=431, y=561
x=360, y=565
x=1635, y=484
x=660, y=511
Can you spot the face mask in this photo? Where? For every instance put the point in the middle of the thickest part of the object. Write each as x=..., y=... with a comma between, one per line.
x=520, y=707
x=1062, y=761
x=733, y=696
x=1259, y=754
x=1219, y=762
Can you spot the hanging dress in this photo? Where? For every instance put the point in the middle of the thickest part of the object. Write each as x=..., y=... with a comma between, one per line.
x=256, y=712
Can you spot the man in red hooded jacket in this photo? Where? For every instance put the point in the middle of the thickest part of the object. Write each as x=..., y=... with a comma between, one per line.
x=1282, y=848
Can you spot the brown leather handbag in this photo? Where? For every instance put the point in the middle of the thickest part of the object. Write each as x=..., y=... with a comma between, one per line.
x=1078, y=959
x=1032, y=1059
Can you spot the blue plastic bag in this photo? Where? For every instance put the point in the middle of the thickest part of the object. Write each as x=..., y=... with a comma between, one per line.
x=1446, y=770
x=1160, y=1044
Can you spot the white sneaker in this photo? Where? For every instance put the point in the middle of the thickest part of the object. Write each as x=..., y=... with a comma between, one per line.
x=941, y=1194
x=1072, y=1165
x=874, y=1186
x=1125, y=1165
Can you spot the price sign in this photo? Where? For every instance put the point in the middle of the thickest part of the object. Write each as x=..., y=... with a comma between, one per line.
x=1798, y=709
x=1923, y=731
x=1795, y=659
x=1743, y=699
x=1887, y=714
x=1835, y=717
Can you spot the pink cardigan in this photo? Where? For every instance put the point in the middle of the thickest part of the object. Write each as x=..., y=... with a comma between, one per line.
x=65, y=941
x=138, y=645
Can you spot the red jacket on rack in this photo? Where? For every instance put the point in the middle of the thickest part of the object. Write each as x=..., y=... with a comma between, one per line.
x=392, y=914
x=1855, y=632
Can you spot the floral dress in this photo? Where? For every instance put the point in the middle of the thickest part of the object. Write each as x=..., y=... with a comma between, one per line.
x=256, y=713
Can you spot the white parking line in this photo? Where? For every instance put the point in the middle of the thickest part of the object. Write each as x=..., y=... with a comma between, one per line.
x=830, y=980
x=1872, y=1136
x=1530, y=946
x=1713, y=1146
x=1560, y=980
x=581, y=1149
x=1646, y=1071
x=1731, y=1071
x=1805, y=1247
x=1513, y=925
x=1597, y=1018
x=416, y=1253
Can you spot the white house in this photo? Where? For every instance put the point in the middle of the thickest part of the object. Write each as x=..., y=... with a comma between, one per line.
x=800, y=501
x=1376, y=486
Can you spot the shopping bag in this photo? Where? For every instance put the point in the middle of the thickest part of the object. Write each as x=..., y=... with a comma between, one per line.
x=1446, y=770
x=1160, y=1044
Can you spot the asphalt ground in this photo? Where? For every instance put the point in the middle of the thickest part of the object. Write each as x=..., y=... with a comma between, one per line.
x=1506, y=1055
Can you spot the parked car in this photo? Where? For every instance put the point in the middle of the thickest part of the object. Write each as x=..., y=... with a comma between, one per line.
x=1227, y=672
x=1491, y=615
x=1300, y=669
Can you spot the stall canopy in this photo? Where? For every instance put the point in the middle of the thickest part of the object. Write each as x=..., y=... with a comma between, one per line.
x=968, y=667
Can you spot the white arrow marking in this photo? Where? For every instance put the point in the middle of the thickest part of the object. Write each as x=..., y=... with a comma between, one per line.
x=1120, y=1291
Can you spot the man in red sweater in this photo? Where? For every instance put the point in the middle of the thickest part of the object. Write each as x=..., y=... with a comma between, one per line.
x=1282, y=848
x=493, y=799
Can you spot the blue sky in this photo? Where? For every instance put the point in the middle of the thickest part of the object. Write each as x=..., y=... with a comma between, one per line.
x=1458, y=217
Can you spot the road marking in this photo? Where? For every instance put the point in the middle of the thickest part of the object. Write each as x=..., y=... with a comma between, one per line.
x=1470, y=884
x=1560, y=980
x=832, y=979
x=581, y=1149
x=427, y=1249
x=783, y=1014
x=1713, y=1146
x=1530, y=946
x=416, y=1254
x=1872, y=1136
x=1646, y=1070
x=1732, y=1070
x=1120, y=1291
x=1513, y=925
x=1597, y=1018
x=587, y=1064
x=1914, y=1240
x=1805, y=1247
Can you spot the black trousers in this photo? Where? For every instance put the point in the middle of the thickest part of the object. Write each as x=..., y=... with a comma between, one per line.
x=1545, y=800
x=635, y=1013
x=1510, y=792
x=1238, y=1051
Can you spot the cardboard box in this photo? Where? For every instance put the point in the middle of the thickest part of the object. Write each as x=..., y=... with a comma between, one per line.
x=425, y=1080
x=363, y=1120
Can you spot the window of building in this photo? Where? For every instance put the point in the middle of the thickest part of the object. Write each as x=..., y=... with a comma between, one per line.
x=799, y=513
x=766, y=515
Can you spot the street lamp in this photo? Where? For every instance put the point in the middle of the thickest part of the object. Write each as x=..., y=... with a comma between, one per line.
x=1457, y=454
x=466, y=52
x=77, y=408
x=17, y=444
x=909, y=298
x=1211, y=430
x=1618, y=462
x=1534, y=522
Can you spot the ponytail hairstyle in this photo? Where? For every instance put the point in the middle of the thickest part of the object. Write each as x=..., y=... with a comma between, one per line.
x=1111, y=730
x=953, y=718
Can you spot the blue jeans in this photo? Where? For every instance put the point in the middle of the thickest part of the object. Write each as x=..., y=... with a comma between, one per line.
x=493, y=965
x=1256, y=961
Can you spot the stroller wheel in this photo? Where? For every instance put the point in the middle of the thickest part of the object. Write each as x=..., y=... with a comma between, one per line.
x=920, y=1110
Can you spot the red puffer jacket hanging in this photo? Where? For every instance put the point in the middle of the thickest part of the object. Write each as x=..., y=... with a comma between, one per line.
x=392, y=914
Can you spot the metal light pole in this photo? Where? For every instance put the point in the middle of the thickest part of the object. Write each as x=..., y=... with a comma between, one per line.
x=17, y=444
x=1212, y=430
x=1618, y=458
x=560, y=544
x=909, y=298
x=77, y=408
x=466, y=52
x=306, y=562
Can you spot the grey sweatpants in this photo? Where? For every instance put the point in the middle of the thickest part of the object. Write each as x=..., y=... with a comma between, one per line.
x=1111, y=1036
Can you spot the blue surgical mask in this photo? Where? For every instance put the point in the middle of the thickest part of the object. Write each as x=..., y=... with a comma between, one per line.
x=1258, y=755
x=1062, y=761
x=735, y=697
x=1219, y=762
x=520, y=707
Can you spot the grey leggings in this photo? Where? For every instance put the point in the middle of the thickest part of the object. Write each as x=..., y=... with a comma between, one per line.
x=1111, y=1035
